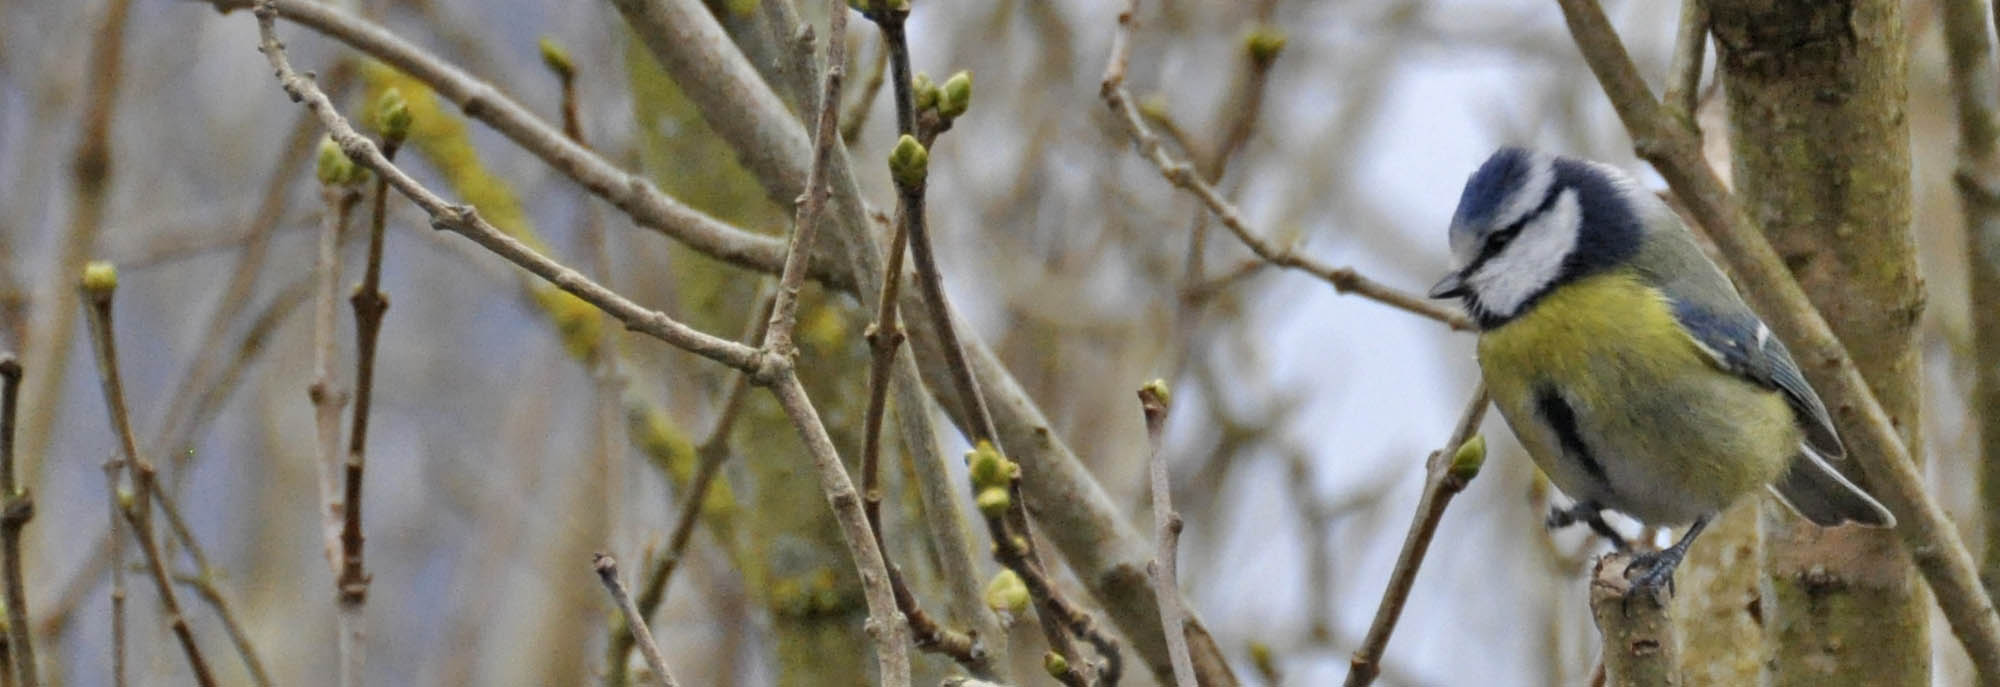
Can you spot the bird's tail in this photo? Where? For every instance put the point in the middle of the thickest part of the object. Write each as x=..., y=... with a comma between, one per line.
x=1817, y=491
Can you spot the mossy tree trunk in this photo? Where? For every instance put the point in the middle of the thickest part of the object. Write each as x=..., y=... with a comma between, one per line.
x=1816, y=97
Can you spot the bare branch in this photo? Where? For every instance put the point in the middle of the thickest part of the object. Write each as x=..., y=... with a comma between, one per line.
x=17, y=506
x=630, y=193
x=1182, y=174
x=1973, y=79
x=1450, y=468
x=1167, y=525
x=885, y=623
x=1684, y=73
x=465, y=220
x=607, y=571
x=100, y=279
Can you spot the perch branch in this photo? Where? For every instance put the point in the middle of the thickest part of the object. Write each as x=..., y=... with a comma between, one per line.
x=1641, y=648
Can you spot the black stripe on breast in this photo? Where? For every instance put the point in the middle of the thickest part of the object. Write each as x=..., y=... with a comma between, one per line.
x=1562, y=419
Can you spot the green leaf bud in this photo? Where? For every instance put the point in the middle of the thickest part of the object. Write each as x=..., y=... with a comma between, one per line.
x=989, y=468
x=100, y=277
x=923, y=91
x=1264, y=43
x=1157, y=391
x=557, y=59
x=909, y=163
x=331, y=167
x=1055, y=664
x=956, y=95
x=392, y=115
x=1006, y=593
x=993, y=501
x=1471, y=455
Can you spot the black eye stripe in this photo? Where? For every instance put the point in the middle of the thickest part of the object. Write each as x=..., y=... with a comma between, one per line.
x=1497, y=241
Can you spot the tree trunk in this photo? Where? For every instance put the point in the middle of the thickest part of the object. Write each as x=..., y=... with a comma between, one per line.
x=1816, y=98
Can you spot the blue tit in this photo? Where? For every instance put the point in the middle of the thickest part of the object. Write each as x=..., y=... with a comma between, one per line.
x=1625, y=362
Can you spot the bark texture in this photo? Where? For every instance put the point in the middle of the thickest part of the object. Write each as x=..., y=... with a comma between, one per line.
x=1816, y=100
x=1721, y=600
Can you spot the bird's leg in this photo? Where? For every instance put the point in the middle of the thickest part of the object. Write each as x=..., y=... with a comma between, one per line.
x=1588, y=513
x=1656, y=568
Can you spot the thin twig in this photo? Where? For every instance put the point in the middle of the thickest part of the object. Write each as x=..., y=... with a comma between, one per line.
x=885, y=624
x=607, y=571
x=885, y=336
x=112, y=469
x=713, y=451
x=369, y=303
x=1448, y=477
x=632, y=193
x=1684, y=72
x=1167, y=527
x=465, y=220
x=826, y=132
x=1183, y=174
x=183, y=413
x=1974, y=82
x=857, y=113
x=1014, y=541
x=328, y=400
x=98, y=287
x=1674, y=150
x=17, y=506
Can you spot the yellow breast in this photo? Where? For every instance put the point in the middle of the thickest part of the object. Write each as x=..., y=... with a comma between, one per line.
x=1669, y=434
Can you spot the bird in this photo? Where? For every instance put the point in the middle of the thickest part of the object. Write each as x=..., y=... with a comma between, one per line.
x=1627, y=365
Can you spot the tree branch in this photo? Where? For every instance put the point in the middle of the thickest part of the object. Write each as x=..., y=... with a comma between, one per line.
x=1973, y=80
x=99, y=280
x=1450, y=468
x=607, y=572
x=1182, y=174
x=1641, y=647
x=631, y=193
x=1153, y=401
x=17, y=506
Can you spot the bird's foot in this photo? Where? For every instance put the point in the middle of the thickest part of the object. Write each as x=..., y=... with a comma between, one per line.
x=1653, y=571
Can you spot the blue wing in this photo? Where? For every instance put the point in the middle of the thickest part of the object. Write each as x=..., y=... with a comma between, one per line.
x=1742, y=345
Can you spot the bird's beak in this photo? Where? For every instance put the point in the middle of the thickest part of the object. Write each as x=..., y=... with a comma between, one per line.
x=1451, y=286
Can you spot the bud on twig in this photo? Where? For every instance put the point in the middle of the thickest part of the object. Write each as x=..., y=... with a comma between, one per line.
x=909, y=163
x=1055, y=664
x=392, y=116
x=993, y=501
x=923, y=92
x=955, y=96
x=557, y=59
x=989, y=468
x=1264, y=43
x=1471, y=455
x=1006, y=593
x=100, y=277
x=333, y=168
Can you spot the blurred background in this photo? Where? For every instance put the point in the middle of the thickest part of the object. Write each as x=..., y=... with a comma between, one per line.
x=1301, y=418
